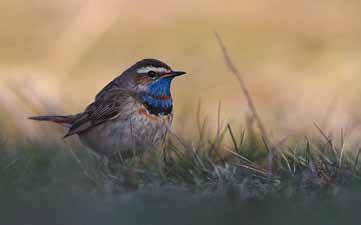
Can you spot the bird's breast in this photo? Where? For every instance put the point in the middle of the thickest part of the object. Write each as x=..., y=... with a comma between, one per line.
x=144, y=113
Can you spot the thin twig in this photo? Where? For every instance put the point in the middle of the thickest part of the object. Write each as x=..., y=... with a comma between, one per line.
x=269, y=158
x=342, y=148
x=252, y=169
x=328, y=139
x=241, y=81
x=242, y=138
x=241, y=157
x=287, y=162
x=218, y=138
x=356, y=159
x=294, y=160
x=219, y=119
x=247, y=95
x=233, y=138
x=200, y=126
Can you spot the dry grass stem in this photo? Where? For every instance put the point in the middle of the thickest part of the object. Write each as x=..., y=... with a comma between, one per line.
x=230, y=65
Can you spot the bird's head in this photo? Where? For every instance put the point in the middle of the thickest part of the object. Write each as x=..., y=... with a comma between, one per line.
x=153, y=79
x=152, y=75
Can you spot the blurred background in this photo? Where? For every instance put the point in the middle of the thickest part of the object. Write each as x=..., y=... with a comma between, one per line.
x=301, y=60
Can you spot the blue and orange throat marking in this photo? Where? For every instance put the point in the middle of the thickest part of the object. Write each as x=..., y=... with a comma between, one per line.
x=158, y=99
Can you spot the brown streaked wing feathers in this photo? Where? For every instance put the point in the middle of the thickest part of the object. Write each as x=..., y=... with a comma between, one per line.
x=100, y=111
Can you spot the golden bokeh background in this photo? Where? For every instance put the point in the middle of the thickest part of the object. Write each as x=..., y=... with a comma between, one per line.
x=301, y=60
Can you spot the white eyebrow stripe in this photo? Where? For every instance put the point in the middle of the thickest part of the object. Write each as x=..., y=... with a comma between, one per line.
x=152, y=68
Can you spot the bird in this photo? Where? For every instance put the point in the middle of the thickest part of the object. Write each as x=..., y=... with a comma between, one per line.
x=129, y=116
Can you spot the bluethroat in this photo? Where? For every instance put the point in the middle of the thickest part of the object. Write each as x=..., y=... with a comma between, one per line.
x=131, y=115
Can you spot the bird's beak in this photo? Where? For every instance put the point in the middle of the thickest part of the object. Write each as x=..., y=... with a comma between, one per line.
x=175, y=73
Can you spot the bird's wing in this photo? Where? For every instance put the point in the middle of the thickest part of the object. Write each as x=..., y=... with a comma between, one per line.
x=116, y=85
x=103, y=109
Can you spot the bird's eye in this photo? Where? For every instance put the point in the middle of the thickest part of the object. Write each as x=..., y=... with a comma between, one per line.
x=152, y=74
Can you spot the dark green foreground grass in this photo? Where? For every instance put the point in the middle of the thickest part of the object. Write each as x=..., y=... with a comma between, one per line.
x=52, y=183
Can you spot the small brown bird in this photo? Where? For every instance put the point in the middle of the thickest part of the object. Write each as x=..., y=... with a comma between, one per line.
x=131, y=115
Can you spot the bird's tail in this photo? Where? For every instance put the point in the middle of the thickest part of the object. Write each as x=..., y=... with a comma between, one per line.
x=64, y=120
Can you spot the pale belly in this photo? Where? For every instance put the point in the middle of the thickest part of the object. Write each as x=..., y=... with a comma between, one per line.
x=132, y=134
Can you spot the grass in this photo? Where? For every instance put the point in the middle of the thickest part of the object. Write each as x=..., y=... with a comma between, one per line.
x=51, y=182
x=206, y=164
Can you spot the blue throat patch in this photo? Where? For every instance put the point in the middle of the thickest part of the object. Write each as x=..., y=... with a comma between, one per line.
x=156, y=98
